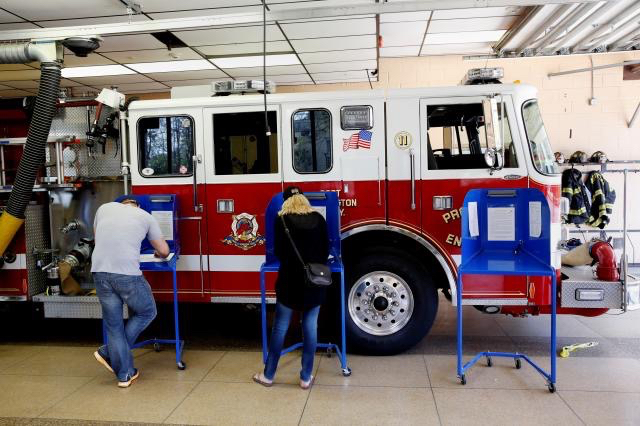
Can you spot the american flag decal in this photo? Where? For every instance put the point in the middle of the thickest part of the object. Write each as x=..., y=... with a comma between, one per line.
x=362, y=139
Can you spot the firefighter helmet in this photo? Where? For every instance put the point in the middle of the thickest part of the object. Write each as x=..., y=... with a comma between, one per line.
x=579, y=157
x=599, y=157
x=560, y=157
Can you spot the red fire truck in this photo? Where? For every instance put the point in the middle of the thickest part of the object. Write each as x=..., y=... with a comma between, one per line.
x=401, y=161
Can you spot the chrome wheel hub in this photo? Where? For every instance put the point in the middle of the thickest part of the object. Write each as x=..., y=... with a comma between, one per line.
x=380, y=303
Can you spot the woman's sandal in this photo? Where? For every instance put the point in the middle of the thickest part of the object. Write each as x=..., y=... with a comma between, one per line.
x=306, y=385
x=259, y=378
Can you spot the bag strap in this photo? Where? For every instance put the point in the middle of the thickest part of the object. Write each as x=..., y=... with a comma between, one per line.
x=293, y=244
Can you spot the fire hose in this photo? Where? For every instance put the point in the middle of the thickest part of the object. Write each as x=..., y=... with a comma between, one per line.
x=34, y=151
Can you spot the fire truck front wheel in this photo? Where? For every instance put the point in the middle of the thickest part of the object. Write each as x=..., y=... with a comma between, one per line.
x=391, y=303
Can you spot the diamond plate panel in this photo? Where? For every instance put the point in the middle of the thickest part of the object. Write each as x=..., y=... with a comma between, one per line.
x=36, y=230
x=72, y=123
x=73, y=306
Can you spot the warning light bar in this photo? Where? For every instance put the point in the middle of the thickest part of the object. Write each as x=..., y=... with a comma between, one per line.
x=484, y=75
x=223, y=88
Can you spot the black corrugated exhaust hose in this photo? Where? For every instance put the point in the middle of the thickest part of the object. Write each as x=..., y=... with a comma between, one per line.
x=33, y=156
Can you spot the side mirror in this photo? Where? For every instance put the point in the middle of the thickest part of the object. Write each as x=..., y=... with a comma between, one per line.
x=494, y=159
x=491, y=128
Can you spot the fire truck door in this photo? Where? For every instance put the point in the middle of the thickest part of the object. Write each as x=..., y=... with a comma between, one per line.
x=243, y=172
x=167, y=158
x=403, y=163
x=454, y=141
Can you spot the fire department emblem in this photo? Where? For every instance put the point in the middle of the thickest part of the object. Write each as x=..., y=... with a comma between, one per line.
x=244, y=232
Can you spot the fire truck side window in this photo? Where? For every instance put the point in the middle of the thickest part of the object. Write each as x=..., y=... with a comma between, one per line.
x=166, y=146
x=241, y=146
x=312, y=141
x=457, y=139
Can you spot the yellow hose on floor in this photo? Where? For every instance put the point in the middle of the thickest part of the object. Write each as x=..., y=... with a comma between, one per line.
x=9, y=225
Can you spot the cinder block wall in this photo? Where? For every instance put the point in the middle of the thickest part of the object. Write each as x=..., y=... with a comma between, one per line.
x=571, y=122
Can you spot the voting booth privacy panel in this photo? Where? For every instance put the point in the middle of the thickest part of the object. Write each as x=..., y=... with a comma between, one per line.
x=505, y=232
x=327, y=204
x=164, y=208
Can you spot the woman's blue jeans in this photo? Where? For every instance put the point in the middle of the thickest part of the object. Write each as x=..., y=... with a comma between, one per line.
x=279, y=331
x=114, y=290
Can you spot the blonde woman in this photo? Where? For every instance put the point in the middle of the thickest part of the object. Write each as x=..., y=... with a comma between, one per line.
x=309, y=232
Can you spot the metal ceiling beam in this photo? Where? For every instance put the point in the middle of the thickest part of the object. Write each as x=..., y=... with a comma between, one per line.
x=517, y=27
x=328, y=11
x=574, y=16
x=624, y=40
x=615, y=34
x=541, y=28
x=624, y=15
x=596, y=11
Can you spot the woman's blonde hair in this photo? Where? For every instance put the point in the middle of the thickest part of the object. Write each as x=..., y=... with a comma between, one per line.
x=296, y=204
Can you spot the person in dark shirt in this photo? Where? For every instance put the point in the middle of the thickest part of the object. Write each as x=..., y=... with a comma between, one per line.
x=308, y=229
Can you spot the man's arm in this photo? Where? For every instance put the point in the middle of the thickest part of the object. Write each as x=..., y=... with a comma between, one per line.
x=161, y=246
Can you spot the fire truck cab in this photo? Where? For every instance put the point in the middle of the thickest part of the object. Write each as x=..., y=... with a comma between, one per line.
x=400, y=160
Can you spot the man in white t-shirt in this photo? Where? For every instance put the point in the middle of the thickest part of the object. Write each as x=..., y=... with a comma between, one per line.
x=119, y=230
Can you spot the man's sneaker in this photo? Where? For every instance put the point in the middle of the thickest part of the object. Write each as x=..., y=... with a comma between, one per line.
x=102, y=361
x=128, y=383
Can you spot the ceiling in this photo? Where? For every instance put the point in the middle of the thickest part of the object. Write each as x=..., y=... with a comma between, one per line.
x=308, y=51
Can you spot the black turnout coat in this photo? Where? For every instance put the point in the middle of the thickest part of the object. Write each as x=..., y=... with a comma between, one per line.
x=309, y=231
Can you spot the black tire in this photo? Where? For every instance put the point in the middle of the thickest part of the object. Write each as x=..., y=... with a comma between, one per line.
x=425, y=302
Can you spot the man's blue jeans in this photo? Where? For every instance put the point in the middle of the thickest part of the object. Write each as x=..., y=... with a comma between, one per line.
x=114, y=290
x=279, y=331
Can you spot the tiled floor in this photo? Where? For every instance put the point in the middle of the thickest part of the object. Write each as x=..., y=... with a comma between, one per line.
x=52, y=385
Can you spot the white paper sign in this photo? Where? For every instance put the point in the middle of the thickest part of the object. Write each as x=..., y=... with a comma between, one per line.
x=150, y=257
x=473, y=219
x=501, y=223
x=165, y=220
x=535, y=219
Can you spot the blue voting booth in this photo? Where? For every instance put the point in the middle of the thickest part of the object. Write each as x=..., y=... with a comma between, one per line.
x=326, y=203
x=164, y=207
x=506, y=232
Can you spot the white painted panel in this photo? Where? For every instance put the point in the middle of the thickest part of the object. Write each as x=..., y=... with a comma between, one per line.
x=8, y=17
x=403, y=33
x=340, y=75
x=20, y=263
x=342, y=66
x=111, y=80
x=397, y=51
x=475, y=24
x=191, y=262
x=122, y=19
x=154, y=55
x=233, y=263
x=284, y=79
x=244, y=48
x=151, y=6
x=60, y=9
x=404, y=16
x=334, y=43
x=129, y=42
x=205, y=12
x=459, y=49
x=478, y=12
x=188, y=75
x=463, y=37
x=141, y=87
x=71, y=60
x=18, y=26
x=228, y=35
x=271, y=71
x=341, y=27
x=338, y=56
x=22, y=84
x=196, y=82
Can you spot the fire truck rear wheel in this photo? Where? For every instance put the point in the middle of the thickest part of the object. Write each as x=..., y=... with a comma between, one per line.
x=391, y=302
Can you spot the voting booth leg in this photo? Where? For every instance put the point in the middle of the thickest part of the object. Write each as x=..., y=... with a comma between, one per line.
x=459, y=329
x=263, y=313
x=343, y=358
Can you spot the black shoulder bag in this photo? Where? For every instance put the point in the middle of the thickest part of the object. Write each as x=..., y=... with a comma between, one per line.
x=316, y=274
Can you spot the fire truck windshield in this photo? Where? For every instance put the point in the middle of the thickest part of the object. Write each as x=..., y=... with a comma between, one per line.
x=541, y=153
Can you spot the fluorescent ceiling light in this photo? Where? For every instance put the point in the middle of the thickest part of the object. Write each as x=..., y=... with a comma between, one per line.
x=172, y=66
x=255, y=61
x=464, y=37
x=96, y=71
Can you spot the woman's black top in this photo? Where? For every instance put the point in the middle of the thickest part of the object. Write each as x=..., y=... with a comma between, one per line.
x=309, y=231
